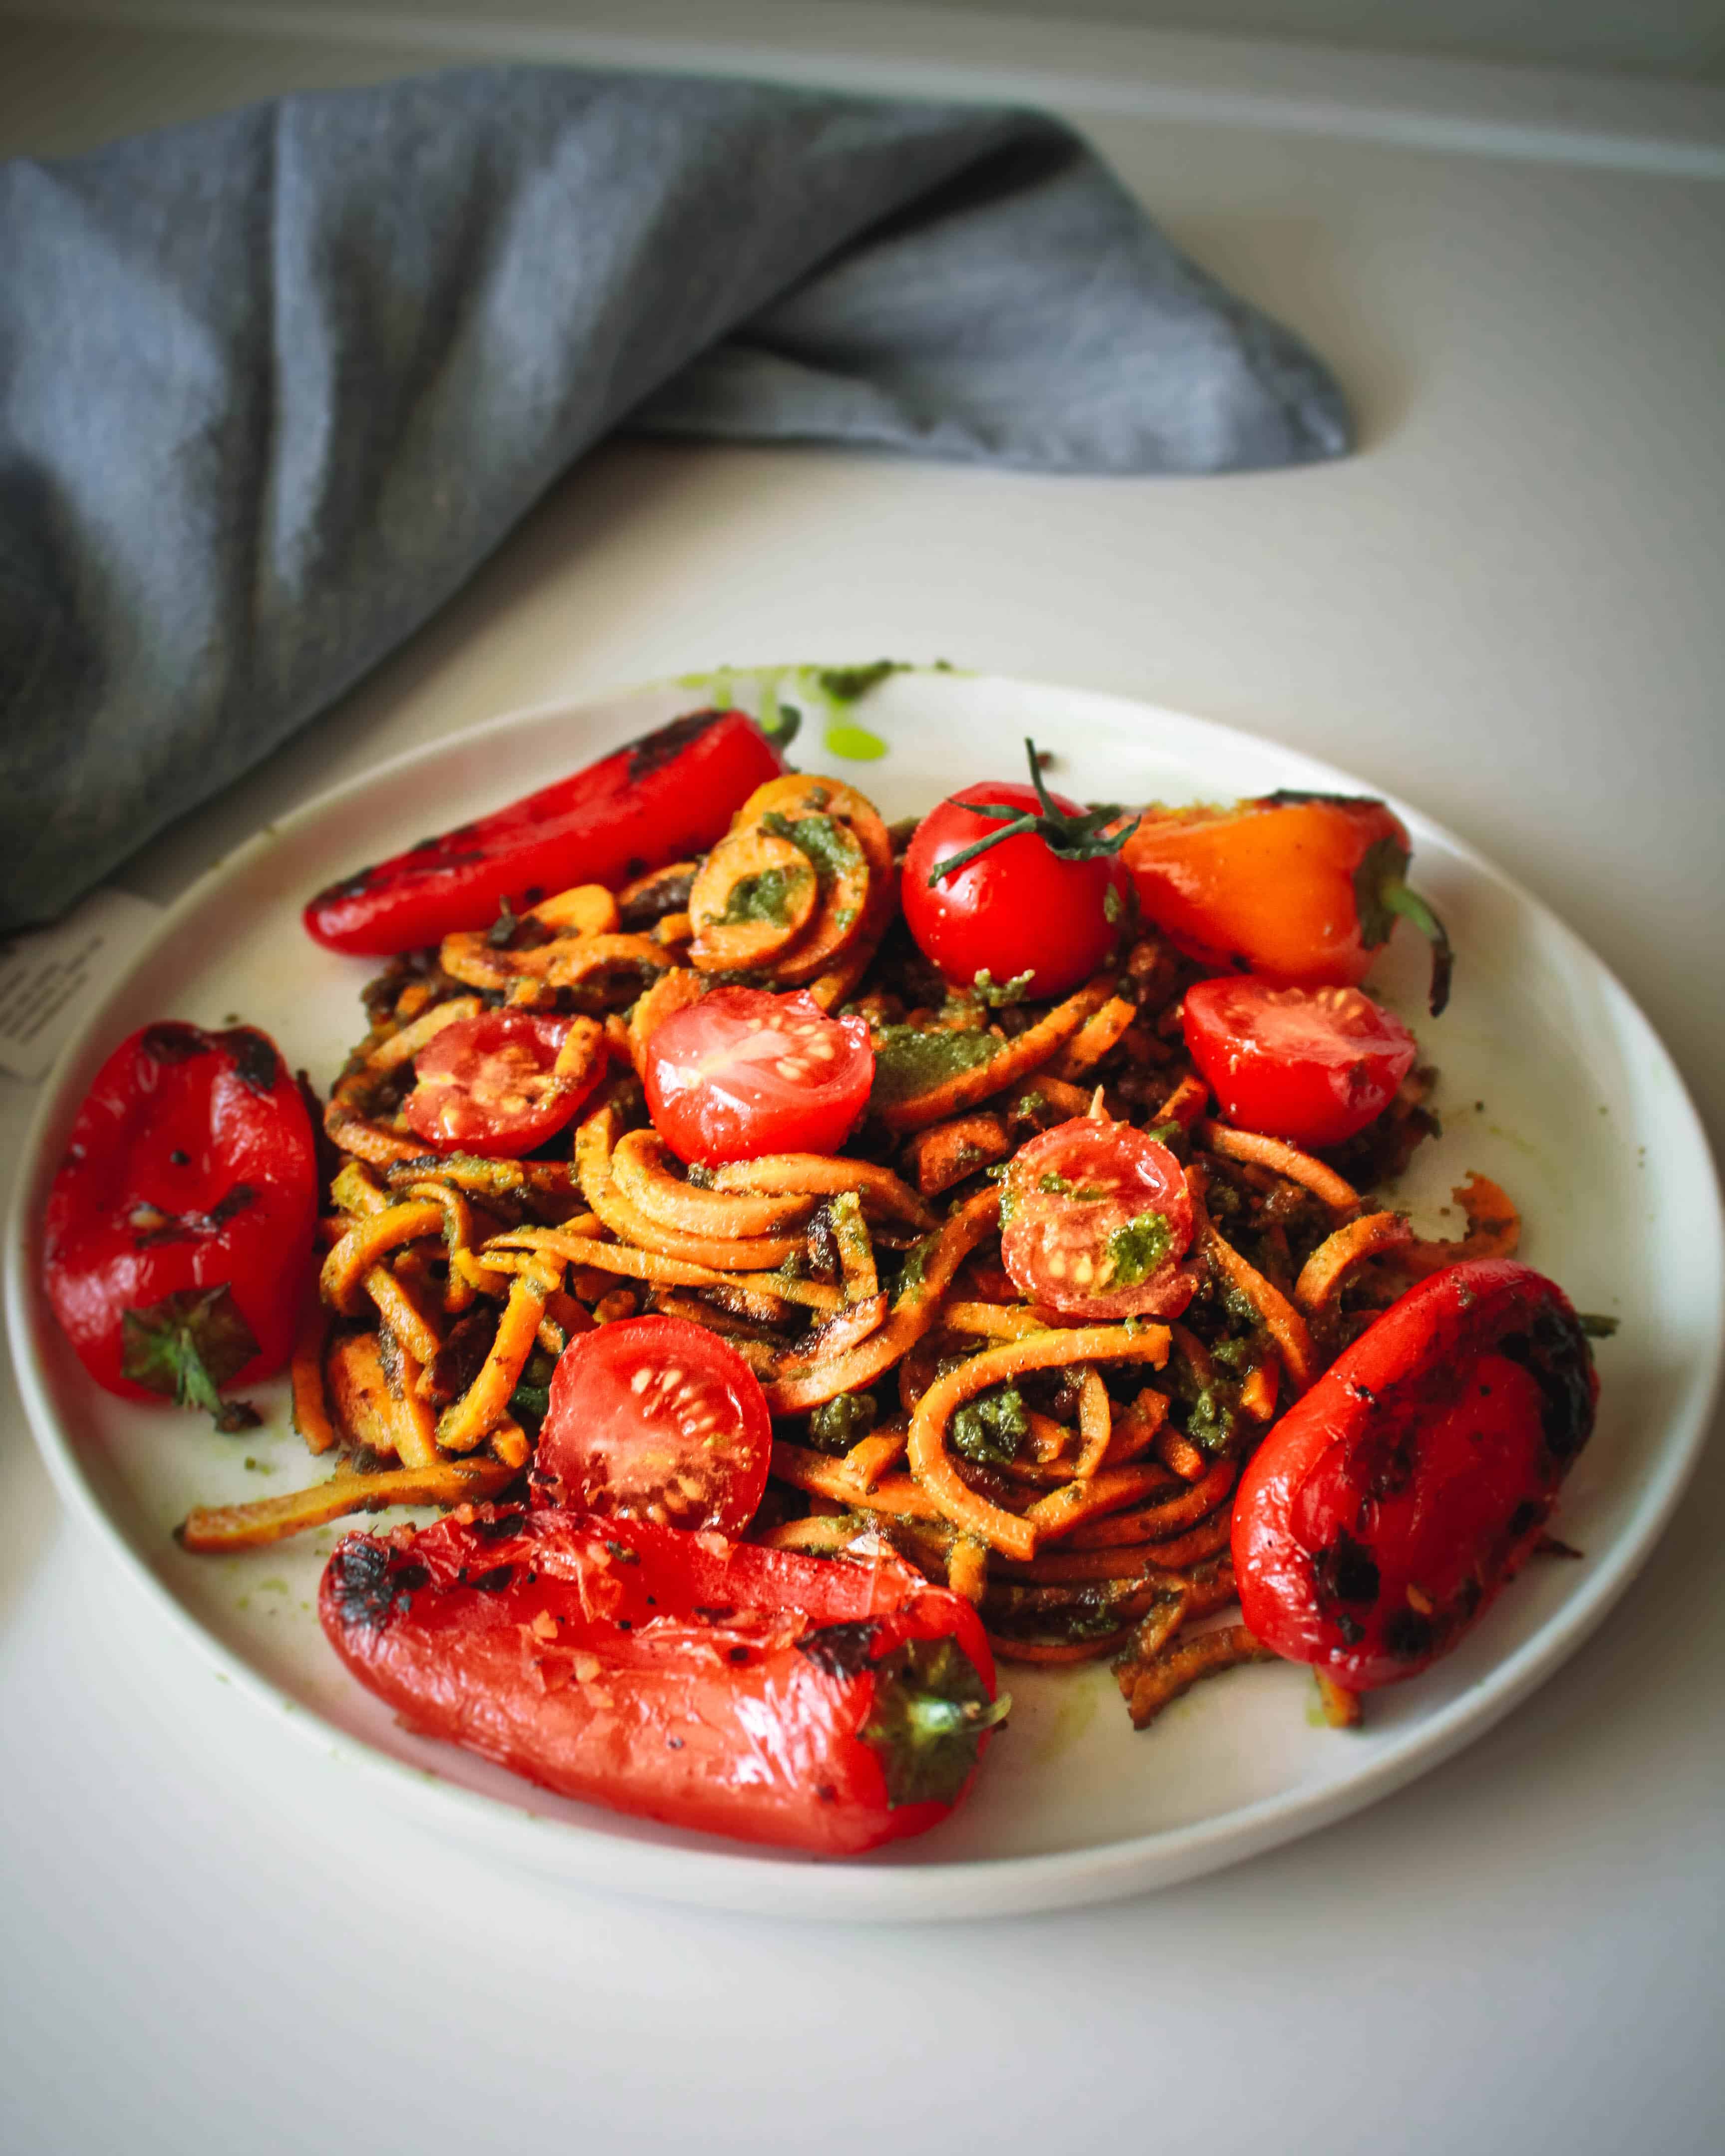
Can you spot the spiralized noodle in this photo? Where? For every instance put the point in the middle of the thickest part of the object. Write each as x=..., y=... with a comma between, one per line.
x=1075, y=1480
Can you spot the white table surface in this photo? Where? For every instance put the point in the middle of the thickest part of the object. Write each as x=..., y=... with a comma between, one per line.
x=1507, y=608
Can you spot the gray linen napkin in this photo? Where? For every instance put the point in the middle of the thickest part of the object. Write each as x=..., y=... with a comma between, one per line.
x=272, y=386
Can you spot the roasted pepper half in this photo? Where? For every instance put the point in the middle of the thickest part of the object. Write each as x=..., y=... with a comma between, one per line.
x=669, y=795
x=818, y=1704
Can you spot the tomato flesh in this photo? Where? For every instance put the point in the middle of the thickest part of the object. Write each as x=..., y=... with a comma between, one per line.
x=655, y=1419
x=1017, y=909
x=488, y=1085
x=1312, y=1065
x=743, y=1073
x=1386, y=1509
x=1095, y=1218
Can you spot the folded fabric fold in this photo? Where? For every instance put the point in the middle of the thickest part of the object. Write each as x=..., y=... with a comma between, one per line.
x=272, y=386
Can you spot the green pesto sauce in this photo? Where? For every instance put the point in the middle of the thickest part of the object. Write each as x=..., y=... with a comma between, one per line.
x=764, y=897
x=838, y=1424
x=826, y=843
x=1138, y=1248
x=1082, y=1193
x=988, y=1428
x=909, y=1062
x=846, y=685
x=856, y=743
x=914, y=1267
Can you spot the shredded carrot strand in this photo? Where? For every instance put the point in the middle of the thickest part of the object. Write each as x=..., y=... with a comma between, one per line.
x=1156, y=1523
x=820, y=1174
x=1017, y=1060
x=932, y=1465
x=802, y=1385
x=1284, y=1324
x=1282, y=1159
x=594, y=1143
x=213, y=1530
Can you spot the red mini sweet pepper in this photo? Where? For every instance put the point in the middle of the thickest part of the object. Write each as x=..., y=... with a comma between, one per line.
x=178, y=1239
x=661, y=798
x=822, y=1705
x=1386, y=1509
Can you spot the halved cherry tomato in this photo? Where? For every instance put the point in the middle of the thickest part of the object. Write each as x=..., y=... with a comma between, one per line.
x=1390, y=1505
x=743, y=1073
x=490, y=1085
x=1314, y=1065
x=1017, y=909
x=1095, y=1218
x=655, y=1419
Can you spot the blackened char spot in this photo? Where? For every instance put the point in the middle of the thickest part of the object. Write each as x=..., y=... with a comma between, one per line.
x=1345, y=1572
x=495, y=1581
x=411, y=1576
x=841, y=1650
x=359, y=1579
x=497, y=1530
x=1555, y=1353
x=1408, y=1636
x=235, y=1202
x=254, y=1057
x=353, y=886
x=170, y=1042
x=665, y=894
x=666, y=743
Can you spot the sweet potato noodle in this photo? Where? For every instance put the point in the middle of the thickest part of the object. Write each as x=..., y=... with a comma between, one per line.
x=1073, y=1481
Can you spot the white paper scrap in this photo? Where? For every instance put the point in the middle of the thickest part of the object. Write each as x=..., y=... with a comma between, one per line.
x=48, y=976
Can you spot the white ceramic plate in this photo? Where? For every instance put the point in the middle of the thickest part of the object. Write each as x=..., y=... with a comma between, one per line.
x=1553, y=1083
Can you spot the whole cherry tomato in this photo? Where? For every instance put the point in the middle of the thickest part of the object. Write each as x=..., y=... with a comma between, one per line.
x=1015, y=913
x=657, y=799
x=1094, y=1220
x=179, y=1225
x=713, y=1684
x=1312, y=1065
x=743, y=1073
x=1387, y=1507
x=1300, y=887
x=493, y=1084
x=655, y=1419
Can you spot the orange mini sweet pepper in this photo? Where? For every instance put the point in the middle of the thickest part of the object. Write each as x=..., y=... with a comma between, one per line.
x=1299, y=887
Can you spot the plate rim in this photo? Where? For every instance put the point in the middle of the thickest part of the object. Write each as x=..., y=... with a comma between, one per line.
x=738, y=1877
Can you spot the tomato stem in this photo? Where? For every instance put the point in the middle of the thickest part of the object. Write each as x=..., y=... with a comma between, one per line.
x=1067, y=837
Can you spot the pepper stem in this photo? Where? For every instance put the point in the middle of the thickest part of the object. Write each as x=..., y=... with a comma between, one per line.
x=930, y=1714
x=1397, y=898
